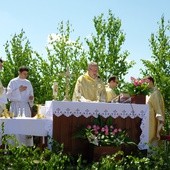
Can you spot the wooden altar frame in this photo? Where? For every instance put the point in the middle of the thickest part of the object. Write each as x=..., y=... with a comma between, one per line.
x=67, y=121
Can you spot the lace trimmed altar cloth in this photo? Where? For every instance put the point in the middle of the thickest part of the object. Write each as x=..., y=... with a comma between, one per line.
x=27, y=126
x=114, y=110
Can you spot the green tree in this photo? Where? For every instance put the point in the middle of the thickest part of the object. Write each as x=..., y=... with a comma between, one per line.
x=63, y=55
x=159, y=67
x=105, y=47
x=18, y=53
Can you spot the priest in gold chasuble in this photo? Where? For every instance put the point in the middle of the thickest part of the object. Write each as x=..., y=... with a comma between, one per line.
x=156, y=113
x=89, y=87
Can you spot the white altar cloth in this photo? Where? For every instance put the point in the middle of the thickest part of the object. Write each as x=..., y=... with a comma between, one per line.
x=27, y=126
x=114, y=110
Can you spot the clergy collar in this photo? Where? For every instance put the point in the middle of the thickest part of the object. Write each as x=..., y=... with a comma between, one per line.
x=21, y=79
x=87, y=76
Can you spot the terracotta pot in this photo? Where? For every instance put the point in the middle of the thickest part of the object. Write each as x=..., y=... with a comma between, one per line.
x=100, y=151
x=138, y=99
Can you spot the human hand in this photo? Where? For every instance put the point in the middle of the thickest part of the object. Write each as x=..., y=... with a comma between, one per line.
x=22, y=88
x=31, y=97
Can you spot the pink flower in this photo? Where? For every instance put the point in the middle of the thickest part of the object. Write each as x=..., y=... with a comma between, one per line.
x=115, y=130
x=102, y=129
x=143, y=81
x=119, y=130
x=98, y=127
x=106, y=132
x=88, y=126
x=96, y=132
x=137, y=82
x=94, y=127
x=140, y=82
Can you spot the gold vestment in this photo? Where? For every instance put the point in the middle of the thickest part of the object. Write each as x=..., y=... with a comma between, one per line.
x=111, y=95
x=156, y=115
x=89, y=89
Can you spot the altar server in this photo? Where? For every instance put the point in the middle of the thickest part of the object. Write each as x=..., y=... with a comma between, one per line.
x=110, y=87
x=89, y=87
x=20, y=94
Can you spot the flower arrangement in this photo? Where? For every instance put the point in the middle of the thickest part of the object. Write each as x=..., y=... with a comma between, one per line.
x=137, y=86
x=102, y=133
x=105, y=135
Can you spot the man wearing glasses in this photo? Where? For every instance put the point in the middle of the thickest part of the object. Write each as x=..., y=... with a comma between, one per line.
x=89, y=87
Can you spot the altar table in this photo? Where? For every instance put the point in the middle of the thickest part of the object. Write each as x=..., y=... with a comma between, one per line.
x=68, y=117
x=27, y=126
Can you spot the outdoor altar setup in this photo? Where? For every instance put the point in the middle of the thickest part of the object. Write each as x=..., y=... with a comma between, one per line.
x=64, y=118
x=69, y=117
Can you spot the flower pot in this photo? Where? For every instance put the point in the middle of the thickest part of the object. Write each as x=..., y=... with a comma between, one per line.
x=138, y=99
x=100, y=151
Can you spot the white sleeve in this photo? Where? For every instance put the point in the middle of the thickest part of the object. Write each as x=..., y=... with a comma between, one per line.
x=13, y=93
x=3, y=97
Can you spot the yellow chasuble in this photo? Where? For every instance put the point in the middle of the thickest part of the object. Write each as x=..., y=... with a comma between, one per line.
x=111, y=95
x=90, y=89
x=156, y=115
x=2, y=105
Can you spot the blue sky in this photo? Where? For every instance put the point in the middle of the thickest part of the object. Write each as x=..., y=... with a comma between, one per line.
x=40, y=18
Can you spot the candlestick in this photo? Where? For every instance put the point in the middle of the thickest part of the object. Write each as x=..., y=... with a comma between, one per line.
x=55, y=90
x=67, y=75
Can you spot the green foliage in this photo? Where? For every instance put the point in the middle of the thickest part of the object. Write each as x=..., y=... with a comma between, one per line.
x=14, y=156
x=159, y=67
x=35, y=158
x=20, y=53
x=62, y=54
x=32, y=158
x=65, y=55
x=105, y=47
x=166, y=130
x=158, y=160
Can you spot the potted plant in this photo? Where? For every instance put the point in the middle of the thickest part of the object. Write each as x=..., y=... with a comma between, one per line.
x=105, y=138
x=137, y=89
x=105, y=135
